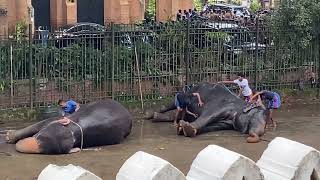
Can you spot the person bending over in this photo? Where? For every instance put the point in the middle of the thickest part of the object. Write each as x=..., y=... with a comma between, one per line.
x=182, y=100
x=272, y=100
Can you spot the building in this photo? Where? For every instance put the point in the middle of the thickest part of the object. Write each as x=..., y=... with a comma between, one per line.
x=56, y=13
x=13, y=11
x=167, y=9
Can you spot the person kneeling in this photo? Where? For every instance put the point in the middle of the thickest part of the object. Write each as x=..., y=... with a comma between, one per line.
x=68, y=107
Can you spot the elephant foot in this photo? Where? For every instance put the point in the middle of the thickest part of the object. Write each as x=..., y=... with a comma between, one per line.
x=188, y=130
x=179, y=130
x=74, y=150
x=253, y=138
x=148, y=115
x=11, y=137
x=155, y=115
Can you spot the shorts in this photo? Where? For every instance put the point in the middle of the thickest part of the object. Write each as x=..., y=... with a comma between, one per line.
x=177, y=103
x=275, y=103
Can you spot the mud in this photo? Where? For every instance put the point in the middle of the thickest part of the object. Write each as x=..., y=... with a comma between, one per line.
x=297, y=122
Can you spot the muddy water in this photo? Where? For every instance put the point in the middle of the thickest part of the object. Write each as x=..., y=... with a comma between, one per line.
x=299, y=122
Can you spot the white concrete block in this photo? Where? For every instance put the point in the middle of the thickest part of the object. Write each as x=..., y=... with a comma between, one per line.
x=289, y=160
x=70, y=172
x=217, y=163
x=144, y=166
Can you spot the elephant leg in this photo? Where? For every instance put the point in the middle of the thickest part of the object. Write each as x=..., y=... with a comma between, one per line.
x=171, y=107
x=225, y=125
x=16, y=135
x=159, y=117
x=256, y=130
x=152, y=115
x=207, y=117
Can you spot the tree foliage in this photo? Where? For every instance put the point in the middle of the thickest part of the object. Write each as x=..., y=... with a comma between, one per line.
x=255, y=6
x=198, y=4
x=297, y=22
x=151, y=9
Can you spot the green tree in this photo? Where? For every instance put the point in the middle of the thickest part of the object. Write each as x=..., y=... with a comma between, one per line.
x=198, y=4
x=297, y=22
x=255, y=6
x=151, y=9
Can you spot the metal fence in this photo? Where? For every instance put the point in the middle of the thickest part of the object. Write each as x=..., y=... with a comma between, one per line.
x=130, y=62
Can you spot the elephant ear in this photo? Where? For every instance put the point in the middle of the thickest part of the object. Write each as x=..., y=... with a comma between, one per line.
x=56, y=139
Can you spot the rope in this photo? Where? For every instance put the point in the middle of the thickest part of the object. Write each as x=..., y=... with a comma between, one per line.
x=81, y=145
x=223, y=85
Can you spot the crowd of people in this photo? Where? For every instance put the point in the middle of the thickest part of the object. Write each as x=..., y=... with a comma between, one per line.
x=239, y=16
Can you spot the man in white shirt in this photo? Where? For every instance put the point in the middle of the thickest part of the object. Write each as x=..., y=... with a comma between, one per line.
x=243, y=85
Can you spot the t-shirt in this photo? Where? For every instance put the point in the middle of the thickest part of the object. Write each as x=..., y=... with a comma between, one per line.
x=70, y=106
x=182, y=100
x=244, y=85
x=267, y=95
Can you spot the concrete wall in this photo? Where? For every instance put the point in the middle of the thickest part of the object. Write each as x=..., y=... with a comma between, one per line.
x=123, y=11
x=58, y=13
x=3, y=19
x=18, y=10
x=71, y=14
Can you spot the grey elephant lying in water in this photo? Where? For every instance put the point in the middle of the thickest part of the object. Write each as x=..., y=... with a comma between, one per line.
x=98, y=123
x=222, y=111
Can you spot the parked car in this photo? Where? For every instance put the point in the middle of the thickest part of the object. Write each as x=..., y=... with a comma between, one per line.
x=233, y=39
x=88, y=33
x=240, y=10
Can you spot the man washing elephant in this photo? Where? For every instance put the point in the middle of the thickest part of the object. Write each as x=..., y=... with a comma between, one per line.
x=181, y=103
x=68, y=107
x=223, y=110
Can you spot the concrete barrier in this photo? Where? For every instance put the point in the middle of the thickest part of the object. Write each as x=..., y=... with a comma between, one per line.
x=144, y=166
x=289, y=160
x=70, y=172
x=217, y=163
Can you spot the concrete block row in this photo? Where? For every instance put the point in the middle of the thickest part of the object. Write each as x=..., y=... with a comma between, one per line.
x=282, y=160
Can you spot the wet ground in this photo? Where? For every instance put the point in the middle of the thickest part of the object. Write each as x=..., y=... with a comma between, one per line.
x=298, y=122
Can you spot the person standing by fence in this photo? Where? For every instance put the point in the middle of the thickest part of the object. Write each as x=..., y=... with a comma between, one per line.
x=243, y=84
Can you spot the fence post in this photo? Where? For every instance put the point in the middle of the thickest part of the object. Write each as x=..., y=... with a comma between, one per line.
x=112, y=64
x=318, y=80
x=30, y=67
x=187, y=52
x=256, y=54
x=11, y=74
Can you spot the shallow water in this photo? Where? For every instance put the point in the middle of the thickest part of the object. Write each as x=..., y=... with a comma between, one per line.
x=300, y=122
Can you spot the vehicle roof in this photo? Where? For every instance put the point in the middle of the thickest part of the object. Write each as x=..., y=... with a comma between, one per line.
x=222, y=25
x=229, y=5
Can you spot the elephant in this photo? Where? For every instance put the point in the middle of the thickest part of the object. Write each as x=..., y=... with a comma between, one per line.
x=222, y=110
x=99, y=123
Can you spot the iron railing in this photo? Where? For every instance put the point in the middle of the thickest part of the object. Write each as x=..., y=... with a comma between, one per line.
x=130, y=62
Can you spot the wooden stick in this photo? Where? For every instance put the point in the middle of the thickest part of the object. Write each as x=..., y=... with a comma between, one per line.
x=139, y=78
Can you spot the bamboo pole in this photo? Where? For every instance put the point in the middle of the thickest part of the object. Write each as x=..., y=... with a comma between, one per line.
x=139, y=78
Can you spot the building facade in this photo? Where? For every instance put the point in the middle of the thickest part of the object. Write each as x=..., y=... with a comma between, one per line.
x=56, y=13
x=12, y=12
